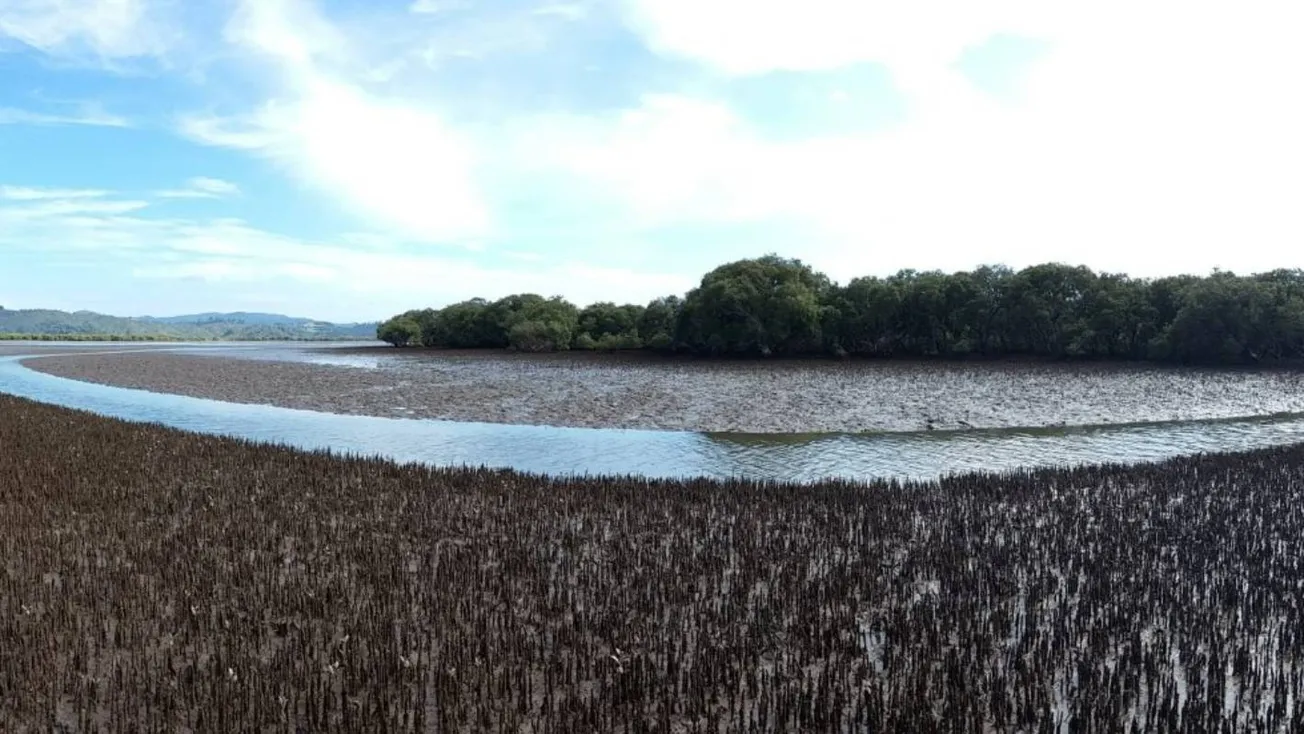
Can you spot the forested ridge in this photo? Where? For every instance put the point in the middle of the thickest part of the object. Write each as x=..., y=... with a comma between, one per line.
x=777, y=306
x=49, y=324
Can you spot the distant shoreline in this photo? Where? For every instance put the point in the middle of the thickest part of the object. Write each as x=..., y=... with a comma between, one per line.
x=92, y=338
x=159, y=338
x=84, y=326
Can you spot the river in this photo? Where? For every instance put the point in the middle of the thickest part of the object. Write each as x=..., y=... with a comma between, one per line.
x=667, y=454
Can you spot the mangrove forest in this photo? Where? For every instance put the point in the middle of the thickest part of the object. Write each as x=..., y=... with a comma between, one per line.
x=783, y=307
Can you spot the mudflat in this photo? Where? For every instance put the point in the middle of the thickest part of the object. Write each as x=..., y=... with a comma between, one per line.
x=631, y=391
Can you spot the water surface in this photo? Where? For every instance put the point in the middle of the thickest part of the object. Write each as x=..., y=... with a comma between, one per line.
x=570, y=451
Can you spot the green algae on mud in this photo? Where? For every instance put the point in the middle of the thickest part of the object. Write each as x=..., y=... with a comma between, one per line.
x=152, y=579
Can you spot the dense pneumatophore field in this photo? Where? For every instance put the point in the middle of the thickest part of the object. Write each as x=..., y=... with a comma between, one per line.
x=152, y=580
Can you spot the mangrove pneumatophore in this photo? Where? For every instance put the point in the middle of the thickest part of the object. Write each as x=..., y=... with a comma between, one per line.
x=154, y=580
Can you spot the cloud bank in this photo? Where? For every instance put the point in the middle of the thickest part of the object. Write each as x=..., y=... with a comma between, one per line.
x=1149, y=139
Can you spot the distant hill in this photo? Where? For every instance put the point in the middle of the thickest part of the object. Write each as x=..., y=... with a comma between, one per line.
x=239, y=326
x=309, y=328
x=235, y=317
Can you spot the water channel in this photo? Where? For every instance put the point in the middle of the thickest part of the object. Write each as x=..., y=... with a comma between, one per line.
x=579, y=451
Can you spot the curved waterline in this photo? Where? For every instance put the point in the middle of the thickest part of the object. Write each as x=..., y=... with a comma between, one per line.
x=579, y=451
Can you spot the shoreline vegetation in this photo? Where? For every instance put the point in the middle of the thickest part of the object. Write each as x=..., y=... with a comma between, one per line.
x=773, y=306
x=153, y=579
x=91, y=338
x=163, y=338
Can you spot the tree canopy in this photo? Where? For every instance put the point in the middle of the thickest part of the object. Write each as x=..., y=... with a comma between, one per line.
x=400, y=331
x=764, y=306
x=776, y=306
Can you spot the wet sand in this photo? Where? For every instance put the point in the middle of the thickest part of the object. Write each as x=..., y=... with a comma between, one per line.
x=620, y=391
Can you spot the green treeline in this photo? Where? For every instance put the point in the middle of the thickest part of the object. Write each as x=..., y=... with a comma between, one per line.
x=89, y=338
x=776, y=306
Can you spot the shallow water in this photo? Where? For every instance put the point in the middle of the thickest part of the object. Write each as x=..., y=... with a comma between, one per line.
x=566, y=451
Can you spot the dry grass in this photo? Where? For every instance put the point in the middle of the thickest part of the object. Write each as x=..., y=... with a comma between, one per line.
x=152, y=580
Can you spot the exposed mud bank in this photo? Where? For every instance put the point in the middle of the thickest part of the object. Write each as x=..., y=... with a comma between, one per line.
x=650, y=393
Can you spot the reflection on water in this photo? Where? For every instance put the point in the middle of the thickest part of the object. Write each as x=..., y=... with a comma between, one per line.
x=563, y=451
x=352, y=361
x=328, y=354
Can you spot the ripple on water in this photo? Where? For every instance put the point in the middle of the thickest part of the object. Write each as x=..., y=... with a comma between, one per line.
x=567, y=451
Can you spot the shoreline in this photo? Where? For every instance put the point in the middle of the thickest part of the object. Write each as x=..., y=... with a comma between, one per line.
x=626, y=356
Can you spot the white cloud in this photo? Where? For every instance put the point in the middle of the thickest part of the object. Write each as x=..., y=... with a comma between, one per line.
x=21, y=205
x=437, y=6
x=566, y=10
x=57, y=209
x=201, y=187
x=349, y=283
x=103, y=28
x=672, y=159
x=32, y=193
x=739, y=37
x=91, y=117
x=1113, y=149
x=252, y=132
x=395, y=161
x=1150, y=139
x=214, y=186
x=216, y=269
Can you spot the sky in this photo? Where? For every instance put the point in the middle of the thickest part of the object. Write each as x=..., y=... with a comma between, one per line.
x=349, y=159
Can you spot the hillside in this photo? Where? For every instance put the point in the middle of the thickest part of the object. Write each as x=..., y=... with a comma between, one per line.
x=206, y=326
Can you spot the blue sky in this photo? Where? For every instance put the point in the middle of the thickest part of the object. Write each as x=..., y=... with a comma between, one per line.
x=344, y=159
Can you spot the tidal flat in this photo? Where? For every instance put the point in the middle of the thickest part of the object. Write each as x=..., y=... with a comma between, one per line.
x=152, y=579
x=648, y=392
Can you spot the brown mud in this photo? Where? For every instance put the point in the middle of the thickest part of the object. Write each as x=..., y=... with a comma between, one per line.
x=648, y=392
